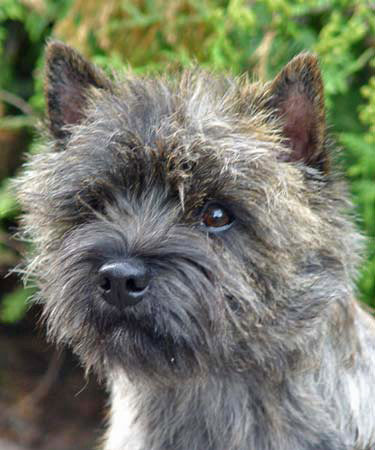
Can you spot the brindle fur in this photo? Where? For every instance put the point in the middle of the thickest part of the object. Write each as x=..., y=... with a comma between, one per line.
x=249, y=339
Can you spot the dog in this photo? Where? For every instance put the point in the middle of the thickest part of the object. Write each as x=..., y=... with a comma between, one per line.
x=193, y=244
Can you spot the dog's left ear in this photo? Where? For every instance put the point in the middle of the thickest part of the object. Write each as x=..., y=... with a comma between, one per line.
x=297, y=98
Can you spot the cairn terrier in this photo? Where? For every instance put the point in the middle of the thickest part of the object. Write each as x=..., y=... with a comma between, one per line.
x=193, y=245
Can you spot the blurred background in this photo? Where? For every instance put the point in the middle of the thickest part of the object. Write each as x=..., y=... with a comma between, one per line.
x=46, y=403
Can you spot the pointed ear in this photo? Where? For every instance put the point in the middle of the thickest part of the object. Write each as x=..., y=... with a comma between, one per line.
x=68, y=77
x=297, y=98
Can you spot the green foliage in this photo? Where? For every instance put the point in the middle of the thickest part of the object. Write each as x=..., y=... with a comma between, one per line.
x=8, y=204
x=230, y=35
x=14, y=305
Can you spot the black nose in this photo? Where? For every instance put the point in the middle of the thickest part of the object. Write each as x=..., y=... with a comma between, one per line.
x=124, y=283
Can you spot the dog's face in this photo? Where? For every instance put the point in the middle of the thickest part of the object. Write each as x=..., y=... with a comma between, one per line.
x=181, y=226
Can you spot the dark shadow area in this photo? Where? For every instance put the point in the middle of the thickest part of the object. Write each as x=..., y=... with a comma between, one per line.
x=45, y=401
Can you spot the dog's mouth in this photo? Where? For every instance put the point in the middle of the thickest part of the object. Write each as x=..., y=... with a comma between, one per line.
x=130, y=321
x=136, y=325
x=141, y=338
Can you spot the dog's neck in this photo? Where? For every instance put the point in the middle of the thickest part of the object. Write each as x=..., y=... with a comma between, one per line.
x=219, y=413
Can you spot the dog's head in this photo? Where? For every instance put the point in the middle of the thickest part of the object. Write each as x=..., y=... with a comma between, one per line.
x=184, y=225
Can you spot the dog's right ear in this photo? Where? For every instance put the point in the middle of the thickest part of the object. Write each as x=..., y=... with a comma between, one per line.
x=67, y=81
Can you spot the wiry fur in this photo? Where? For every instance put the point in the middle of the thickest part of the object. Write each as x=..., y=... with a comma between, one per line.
x=247, y=340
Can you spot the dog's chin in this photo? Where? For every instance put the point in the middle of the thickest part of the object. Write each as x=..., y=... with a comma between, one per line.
x=140, y=347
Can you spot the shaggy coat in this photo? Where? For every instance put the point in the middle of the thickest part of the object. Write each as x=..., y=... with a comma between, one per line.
x=249, y=336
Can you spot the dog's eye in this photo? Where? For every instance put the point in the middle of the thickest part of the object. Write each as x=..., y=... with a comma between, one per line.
x=216, y=218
